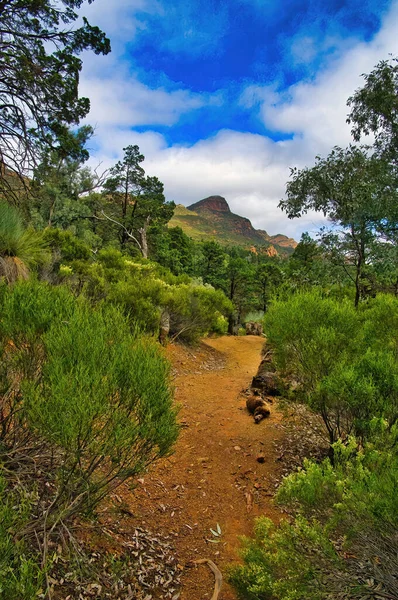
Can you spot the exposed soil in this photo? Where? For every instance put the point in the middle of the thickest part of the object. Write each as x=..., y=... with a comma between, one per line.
x=213, y=476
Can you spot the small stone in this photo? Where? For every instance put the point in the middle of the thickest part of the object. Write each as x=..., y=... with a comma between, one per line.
x=237, y=448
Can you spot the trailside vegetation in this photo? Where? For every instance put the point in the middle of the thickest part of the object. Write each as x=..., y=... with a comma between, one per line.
x=86, y=402
x=334, y=341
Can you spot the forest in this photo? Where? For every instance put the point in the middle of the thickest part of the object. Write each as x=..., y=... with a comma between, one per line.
x=94, y=284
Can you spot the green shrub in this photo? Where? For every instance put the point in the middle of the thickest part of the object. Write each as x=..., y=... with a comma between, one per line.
x=144, y=290
x=68, y=246
x=80, y=384
x=221, y=325
x=195, y=310
x=283, y=562
x=336, y=354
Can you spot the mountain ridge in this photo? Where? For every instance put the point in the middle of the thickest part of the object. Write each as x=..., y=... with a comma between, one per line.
x=211, y=218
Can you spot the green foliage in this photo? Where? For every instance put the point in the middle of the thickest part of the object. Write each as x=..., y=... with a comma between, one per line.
x=195, y=310
x=68, y=246
x=346, y=369
x=283, y=562
x=374, y=108
x=86, y=387
x=213, y=263
x=139, y=201
x=360, y=487
x=175, y=250
x=354, y=504
x=267, y=279
x=144, y=290
x=59, y=182
x=357, y=191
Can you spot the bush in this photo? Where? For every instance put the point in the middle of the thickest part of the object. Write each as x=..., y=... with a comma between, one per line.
x=66, y=245
x=283, y=562
x=337, y=355
x=195, y=310
x=145, y=290
x=81, y=391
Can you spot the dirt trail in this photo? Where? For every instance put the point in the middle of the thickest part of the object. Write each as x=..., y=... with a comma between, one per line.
x=213, y=476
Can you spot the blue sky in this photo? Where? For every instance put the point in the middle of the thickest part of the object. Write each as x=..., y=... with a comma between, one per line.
x=224, y=96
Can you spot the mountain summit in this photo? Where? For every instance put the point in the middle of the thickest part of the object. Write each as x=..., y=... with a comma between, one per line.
x=212, y=203
x=211, y=218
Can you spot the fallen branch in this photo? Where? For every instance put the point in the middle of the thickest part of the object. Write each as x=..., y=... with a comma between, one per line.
x=217, y=575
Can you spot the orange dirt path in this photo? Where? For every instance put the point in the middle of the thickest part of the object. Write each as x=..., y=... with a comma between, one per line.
x=213, y=475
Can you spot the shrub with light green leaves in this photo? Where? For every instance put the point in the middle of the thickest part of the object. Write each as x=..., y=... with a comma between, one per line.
x=145, y=290
x=283, y=562
x=79, y=382
x=344, y=359
x=195, y=310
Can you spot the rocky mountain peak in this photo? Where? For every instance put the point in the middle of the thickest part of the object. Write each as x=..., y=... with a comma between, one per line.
x=212, y=203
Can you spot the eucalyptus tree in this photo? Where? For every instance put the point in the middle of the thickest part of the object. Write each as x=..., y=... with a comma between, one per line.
x=357, y=192
x=374, y=108
x=136, y=202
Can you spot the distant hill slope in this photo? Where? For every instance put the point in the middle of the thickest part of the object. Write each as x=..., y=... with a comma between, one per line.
x=211, y=218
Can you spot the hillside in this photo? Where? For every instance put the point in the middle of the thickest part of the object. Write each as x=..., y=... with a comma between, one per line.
x=211, y=218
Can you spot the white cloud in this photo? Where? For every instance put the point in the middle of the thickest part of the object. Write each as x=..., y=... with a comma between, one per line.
x=118, y=98
x=249, y=170
x=124, y=101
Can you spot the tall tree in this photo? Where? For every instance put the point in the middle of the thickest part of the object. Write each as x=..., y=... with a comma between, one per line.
x=213, y=264
x=137, y=202
x=150, y=209
x=124, y=184
x=267, y=278
x=39, y=77
x=357, y=193
x=60, y=178
x=175, y=250
x=374, y=108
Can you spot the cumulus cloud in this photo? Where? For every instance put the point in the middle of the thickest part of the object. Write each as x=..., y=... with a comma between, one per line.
x=124, y=101
x=249, y=170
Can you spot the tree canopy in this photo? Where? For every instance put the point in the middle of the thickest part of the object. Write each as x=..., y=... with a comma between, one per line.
x=374, y=107
x=39, y=76
x=136, y=201
x=356, y=187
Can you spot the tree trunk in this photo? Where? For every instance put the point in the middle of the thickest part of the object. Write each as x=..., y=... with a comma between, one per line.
x=144, y=239
x=123, y=236
x=358, y=266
